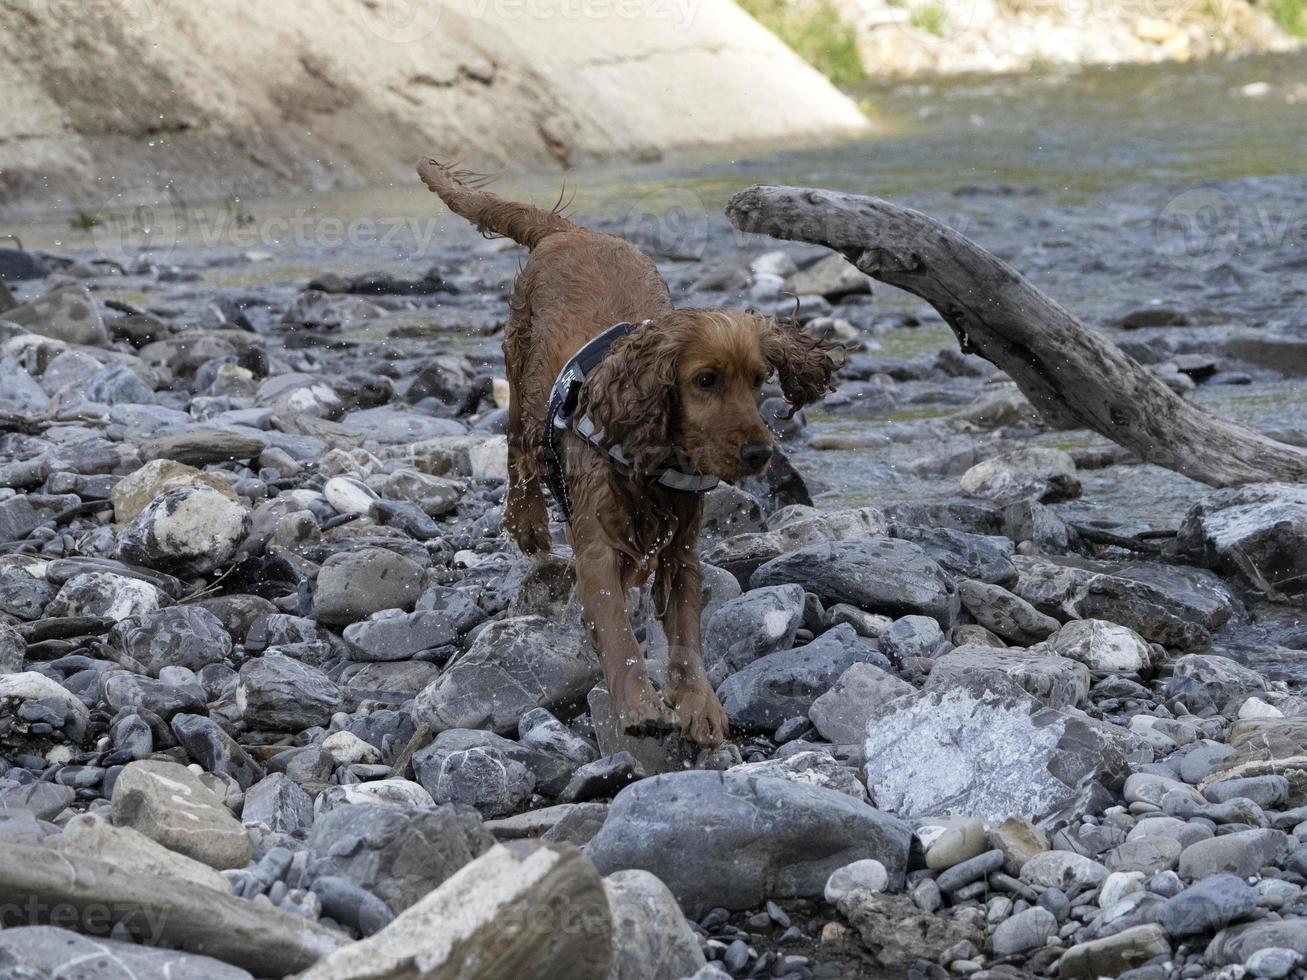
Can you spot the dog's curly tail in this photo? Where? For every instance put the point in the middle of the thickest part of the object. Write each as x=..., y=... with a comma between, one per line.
x=461, y=191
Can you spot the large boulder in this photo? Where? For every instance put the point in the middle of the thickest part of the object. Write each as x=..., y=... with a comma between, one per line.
x=49, y=952
x=1257, y=531
x=733, y=839
x=170, y=805
x=651, y=940
x=990, y=750
x=883, y=575
x=279, y=693
x=1054, y=681
x=168, y=911
x=188, y=531
x=352, y=585
x=543, y=915
x=68, y=313
x=398, y=853
x=784, y=685
x=180, y=636
x=1037, y=473
x=513, y=666
x=759, y=622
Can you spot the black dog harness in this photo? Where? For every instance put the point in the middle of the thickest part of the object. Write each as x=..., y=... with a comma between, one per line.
x=680, y=475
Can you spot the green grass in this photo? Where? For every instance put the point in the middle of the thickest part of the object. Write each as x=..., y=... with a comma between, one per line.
x=929, y=17
x=1291, y=15
x=816, y=34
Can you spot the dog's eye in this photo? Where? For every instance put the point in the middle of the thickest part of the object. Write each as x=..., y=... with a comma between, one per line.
x=706, y=379
x=760, y=380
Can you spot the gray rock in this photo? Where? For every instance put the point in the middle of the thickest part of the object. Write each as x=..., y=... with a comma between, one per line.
x=459, y=928
x=115, y=384
x=133, y=852
x=1063, y=869
x=278, y=693
x=188, y=531
x=1114, y=955
x=1267, y=791
x=1007, y=615
x=725, y=839
x=1148, y=854
x=68, y=313
x=865, y=875
x=651, y=939
x=163, y=910
x=1273, y=963
x=49, y=952
x=276, y=802
x=882, y=575
x=352, y=906
x=602, y=778
x=45, y=801
x=912, y=636
x=973, y=869
x=396, y=635
x=1238, y=943
x=170, y=805
x=1170, y=605
x=983, y=557
x=123, y=690
x=541, y=730
x=1211, y=904
x=552, y=772
x=30, y=699
x=397, y=853
x=1242, y=853
x=753, y=625
x=19, y=391
x=353, y=585
x=1037, y=473
x=784, y=685
x=1023, y=932
x=216, y=751
x=987, y=754
x=1256, y=531
x=23, y=596
x=1205, y=680
x=180, y=636
x=1054, y=681
x=816, y=768
x=897, y=934
x=494, y=784
x=104, y=595
x=842, y=713
x=1103, y=647
x=513, y=666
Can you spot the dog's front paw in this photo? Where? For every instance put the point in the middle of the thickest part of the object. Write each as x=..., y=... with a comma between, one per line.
x=640, y=710
x=700, y=714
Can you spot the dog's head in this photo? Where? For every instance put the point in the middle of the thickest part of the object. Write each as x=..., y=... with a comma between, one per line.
x=693, y=380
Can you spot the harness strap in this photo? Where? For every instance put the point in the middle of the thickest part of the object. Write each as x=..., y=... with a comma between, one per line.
x=561, y=417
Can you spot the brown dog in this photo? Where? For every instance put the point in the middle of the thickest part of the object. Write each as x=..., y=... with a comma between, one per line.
x=687, y=380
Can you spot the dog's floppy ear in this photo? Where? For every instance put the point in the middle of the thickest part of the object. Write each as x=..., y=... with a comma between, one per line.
x=803, y=365
x=631, y=396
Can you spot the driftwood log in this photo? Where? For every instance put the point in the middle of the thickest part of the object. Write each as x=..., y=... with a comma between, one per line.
x=1070, y=373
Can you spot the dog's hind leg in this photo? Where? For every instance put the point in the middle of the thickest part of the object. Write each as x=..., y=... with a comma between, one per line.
x=525, y=516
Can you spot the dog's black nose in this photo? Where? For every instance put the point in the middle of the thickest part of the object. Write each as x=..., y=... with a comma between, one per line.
x=755, y=455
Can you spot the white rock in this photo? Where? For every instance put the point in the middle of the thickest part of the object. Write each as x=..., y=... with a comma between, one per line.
x=1118, y=885
x=868, y=875
x=489, y=459
x=105, y=595
x=349, y=496
x=31, y=686
x=1103, y=647
x=1257, y=708
x=346, y=748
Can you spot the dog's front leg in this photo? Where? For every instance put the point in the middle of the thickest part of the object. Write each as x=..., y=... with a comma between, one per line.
x=600, y=588
x=698, y=710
